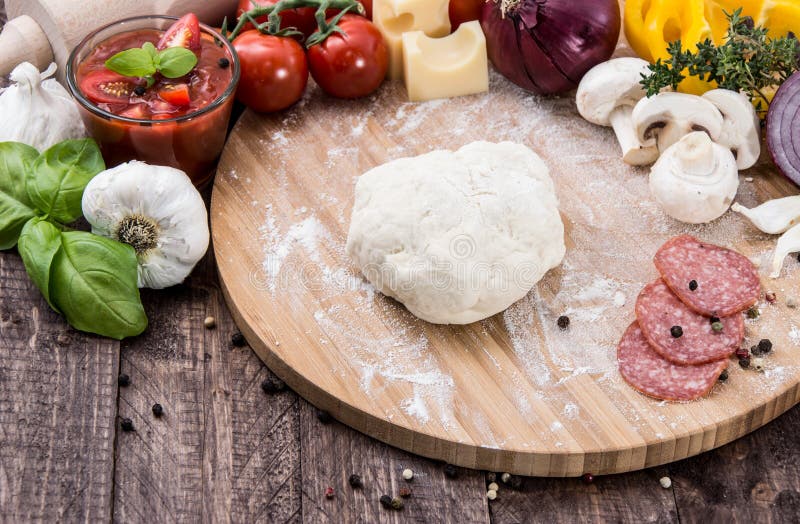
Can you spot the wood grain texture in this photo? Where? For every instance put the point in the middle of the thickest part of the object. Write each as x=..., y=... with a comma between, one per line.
x=223, y=451
x=512, y=392
x=332, y=452
x=58, y=392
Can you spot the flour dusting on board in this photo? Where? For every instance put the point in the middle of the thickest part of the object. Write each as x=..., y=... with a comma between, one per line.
x=605, y=205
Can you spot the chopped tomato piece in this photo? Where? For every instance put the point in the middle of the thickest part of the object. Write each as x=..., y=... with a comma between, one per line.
x=177, y=95
x=183, y=33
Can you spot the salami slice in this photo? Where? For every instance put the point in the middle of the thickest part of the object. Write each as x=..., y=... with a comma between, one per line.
x=648, y=373
x=659, y=312
x=711, y=280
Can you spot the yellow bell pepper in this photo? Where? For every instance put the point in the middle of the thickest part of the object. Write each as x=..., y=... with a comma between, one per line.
x=650, y=25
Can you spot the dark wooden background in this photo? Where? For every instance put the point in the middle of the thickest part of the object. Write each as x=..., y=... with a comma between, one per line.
x=227, y=452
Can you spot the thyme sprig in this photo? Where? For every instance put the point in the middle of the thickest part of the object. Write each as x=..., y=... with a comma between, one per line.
x=747, y=61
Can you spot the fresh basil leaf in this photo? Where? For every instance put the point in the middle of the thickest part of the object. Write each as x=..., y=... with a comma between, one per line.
x=150, y=48
x=132, y=62
x=93, y=283
x=38, y=244
x=58, y=177
x=175, y=62
x=16, y=208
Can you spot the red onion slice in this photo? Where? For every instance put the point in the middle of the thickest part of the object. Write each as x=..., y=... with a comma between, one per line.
x=783, y=128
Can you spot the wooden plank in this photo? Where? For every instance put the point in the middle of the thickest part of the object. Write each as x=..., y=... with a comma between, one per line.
x=630, y=497
x=223, y=451
x=754, y=479
x=332, y=452
x=58, y=392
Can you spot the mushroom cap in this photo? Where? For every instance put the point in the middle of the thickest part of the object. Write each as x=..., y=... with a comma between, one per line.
x=608, y=86
x=671, y=116
x=695, y=180
x=741, y=128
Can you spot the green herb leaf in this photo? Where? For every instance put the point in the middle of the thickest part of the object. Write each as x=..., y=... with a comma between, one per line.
x=150, y=48
x=38, y=244
x=93, y=283
x=132, y=62
x=175, y=62
x=58, y=177
x=16, y=208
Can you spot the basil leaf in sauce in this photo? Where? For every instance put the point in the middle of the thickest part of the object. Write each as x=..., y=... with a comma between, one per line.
x=175, y=62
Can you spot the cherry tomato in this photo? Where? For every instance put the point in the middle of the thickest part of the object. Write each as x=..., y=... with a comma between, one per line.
x=177, y=95
x=183, y=33
x=352, y=64
x=274, y=71
x=301, y=18
x=464, y=11
x=108, y=87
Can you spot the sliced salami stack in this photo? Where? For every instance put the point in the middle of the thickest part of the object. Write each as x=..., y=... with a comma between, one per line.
x=689, y=321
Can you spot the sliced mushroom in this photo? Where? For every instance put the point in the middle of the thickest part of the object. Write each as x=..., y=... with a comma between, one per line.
x=695, y=180
x=668, y=117
x=773, y=216
x=606, y=96
x=741, y=128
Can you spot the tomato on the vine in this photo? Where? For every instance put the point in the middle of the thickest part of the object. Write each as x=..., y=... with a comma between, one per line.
x=274, y=71
x=464, y=11
x=351, y=63
x=301, y=18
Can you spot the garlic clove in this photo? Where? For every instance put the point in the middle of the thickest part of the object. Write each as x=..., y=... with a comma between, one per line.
x=773, y=216
x=788, y=243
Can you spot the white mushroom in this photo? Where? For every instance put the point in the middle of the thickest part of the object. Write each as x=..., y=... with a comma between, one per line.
x=788, y=243
x=668, y=117
x=695, y=180
x=606, y=96
x=741, y=128
x=773, y=216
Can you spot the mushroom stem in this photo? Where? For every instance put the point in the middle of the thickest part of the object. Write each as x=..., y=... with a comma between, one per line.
x=696, y=157
x=633, y=151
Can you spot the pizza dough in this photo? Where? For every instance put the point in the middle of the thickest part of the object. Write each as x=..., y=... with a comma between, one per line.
x=457, y=236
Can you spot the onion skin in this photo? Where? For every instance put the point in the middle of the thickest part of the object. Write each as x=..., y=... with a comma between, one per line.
x=546, y=46
x=783, y=128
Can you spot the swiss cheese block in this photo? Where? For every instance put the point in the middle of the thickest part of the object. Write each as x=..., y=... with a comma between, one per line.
x=445, y=67
x=395, y=17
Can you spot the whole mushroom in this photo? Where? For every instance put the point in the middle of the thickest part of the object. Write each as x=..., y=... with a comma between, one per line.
x=606, y=97
x=741, y=128
x=695, y=180
x=668, y=117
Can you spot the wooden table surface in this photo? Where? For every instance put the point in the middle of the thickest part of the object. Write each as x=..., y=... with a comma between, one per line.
x=227, y=452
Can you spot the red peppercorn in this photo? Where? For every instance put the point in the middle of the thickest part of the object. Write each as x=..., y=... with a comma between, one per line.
x=405, y=492
x=771, y=297
x=742, y=353
x=588, y=478
x=329, y=492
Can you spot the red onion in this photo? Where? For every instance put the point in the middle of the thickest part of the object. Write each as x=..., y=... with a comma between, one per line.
x=546, y=46
x=783, y=128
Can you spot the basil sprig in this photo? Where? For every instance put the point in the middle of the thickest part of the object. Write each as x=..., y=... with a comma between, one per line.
x=146, y=61
x=89, y=279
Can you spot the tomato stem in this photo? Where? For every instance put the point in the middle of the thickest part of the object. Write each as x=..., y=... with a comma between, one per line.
x=273, y=24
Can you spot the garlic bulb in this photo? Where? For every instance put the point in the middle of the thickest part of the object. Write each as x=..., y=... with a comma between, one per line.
x=156, y=210
x=695, y=180
x=37, y=110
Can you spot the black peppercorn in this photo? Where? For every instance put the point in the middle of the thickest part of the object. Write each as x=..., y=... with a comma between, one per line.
x=355, y=481
x=324, y=417
x=714, y=319
x=124, y=381
x=224, y=63
x=158, y=410
x=272, y=385
x=744, y=362
x=126, y=424
x=450, y=471
x=515, y=482
x=491, y=477
x=693, y=285
x=563, y=322
x=676, y=331
x=765, y=346
x=237, y=339
x=139, y=90
x=723, y=376
x=386, y=501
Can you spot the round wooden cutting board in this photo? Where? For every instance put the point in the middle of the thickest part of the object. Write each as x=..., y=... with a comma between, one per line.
x=514, y=392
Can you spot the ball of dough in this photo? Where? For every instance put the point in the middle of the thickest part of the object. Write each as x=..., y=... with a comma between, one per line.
x=457, y=236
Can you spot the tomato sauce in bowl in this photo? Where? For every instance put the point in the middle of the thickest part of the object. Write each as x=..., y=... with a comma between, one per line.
x=180, y=122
